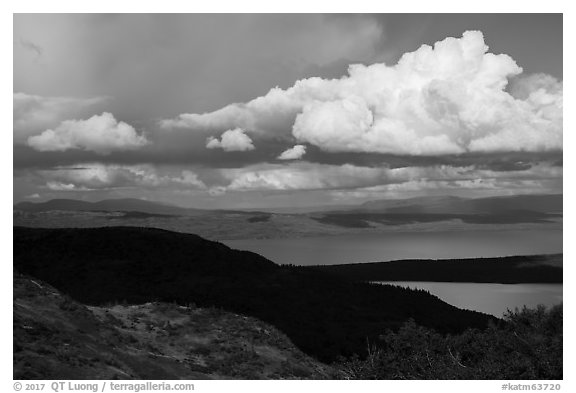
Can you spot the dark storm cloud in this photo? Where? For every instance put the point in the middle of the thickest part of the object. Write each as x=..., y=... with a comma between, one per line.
x=510, y=161
x=183, y=154
x=162, y=65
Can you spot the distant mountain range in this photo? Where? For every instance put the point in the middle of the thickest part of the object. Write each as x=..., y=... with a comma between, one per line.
x=549, y=204
x=324, y=315
x=234, y=224
x=126, y=205
x=457, y=205
x=515, y=209
x=107, y=205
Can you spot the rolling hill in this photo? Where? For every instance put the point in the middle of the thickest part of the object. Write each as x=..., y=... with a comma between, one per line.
x=324, y=315
x=56, y=337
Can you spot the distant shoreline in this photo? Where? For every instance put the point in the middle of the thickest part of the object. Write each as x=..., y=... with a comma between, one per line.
x=520, y=269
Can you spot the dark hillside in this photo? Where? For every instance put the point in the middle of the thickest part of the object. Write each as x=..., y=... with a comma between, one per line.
x=323, y=315
x=506, y=270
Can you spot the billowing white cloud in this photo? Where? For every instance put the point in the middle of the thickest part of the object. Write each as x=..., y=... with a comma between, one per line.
x=101, y=134
x=231, y=140
x=59, y=186
x=34, y=114
x=294, y=153
x=448, y=99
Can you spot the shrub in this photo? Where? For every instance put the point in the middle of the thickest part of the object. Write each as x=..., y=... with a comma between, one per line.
x=527, y=344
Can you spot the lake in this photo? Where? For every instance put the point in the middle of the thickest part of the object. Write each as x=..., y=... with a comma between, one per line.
x=377, y=247
x=492, y=299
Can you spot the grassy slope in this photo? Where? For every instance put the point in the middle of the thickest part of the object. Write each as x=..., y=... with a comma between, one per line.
x=58, y=338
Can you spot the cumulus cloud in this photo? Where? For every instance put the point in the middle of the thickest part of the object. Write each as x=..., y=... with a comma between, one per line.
x=231, y=140
x=451, y=98
x=33, y=113
x=59, y=186
x=101, y=134
x=294, y=153
x=534, y=84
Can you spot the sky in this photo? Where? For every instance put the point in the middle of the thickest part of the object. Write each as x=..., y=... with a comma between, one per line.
x=286, y=110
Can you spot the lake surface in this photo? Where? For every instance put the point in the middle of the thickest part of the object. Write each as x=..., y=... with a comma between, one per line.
x=492, y=299
x=377, y=247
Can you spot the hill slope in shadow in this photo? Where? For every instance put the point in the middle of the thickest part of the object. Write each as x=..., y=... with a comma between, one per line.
x=324, y=315
x=505, y=270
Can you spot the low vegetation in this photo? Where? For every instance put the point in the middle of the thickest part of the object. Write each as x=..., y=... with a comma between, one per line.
x=527, y=344
x=56, y=337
